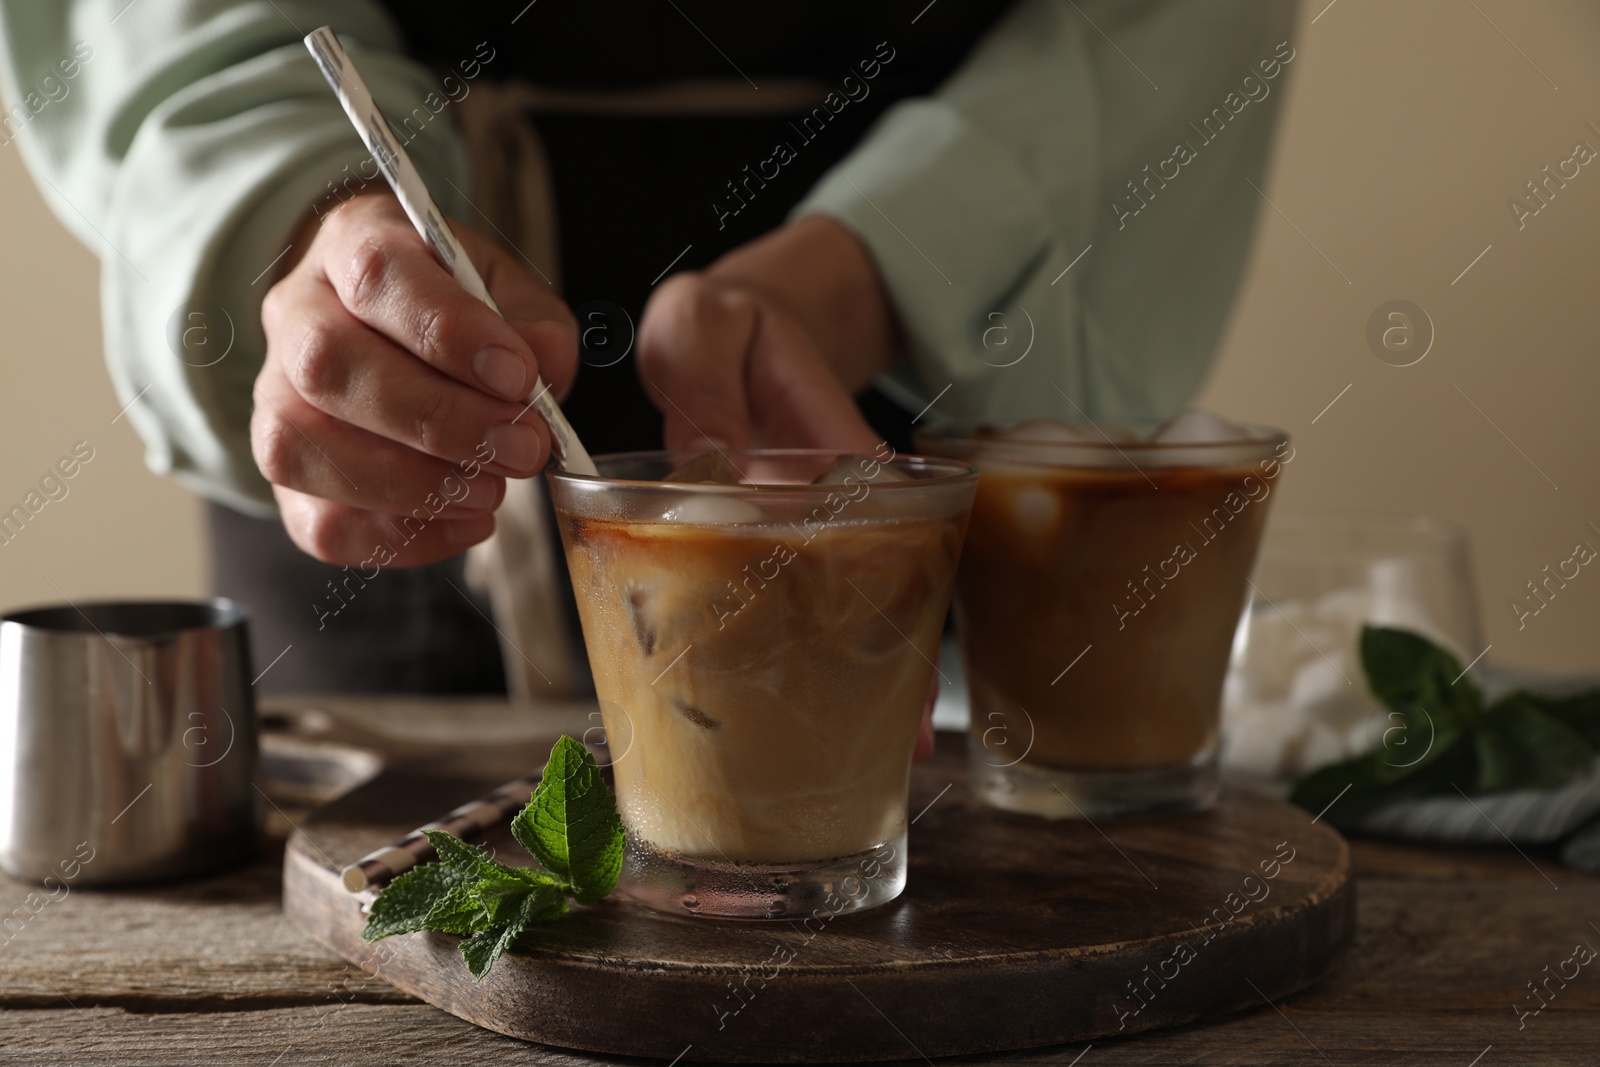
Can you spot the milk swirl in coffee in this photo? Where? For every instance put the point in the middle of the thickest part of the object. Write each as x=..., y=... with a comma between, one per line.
x=762, y=655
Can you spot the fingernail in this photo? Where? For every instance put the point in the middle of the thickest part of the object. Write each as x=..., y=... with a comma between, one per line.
x=503, y=371
x=517, y=445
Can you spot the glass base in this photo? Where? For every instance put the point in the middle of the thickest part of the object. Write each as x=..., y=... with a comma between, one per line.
x=1059, y=794
x=723, y=890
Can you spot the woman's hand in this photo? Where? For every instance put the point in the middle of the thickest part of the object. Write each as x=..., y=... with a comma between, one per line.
x=391, y=401
x=768, y=346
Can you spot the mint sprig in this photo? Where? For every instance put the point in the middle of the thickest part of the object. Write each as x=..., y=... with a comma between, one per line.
x=1443, y=736
x=570, y=825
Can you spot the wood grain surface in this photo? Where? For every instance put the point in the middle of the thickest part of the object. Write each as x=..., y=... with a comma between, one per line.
x=211, y=972
x=1015, y=932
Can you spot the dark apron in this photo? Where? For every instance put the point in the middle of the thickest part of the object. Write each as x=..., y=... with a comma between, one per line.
x=631, y=194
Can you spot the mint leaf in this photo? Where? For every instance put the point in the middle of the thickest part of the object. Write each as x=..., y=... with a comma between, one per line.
x=457, y=912
x=500, y=897
x=1374, y=781
x=482, y=949
x=1346, y=782
x=1452, y=765
x=571, y=826
x=1424, y=750
x=405, y=904
x=1581, y=711
x=470, y=860
x=1406, y=671
x=1419, y=737
x=1523, y=746
x=1444, y=739
x=474, y=862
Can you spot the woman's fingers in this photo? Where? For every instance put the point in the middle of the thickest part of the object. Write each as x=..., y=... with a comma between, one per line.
x=351, y=373
x=726, y=363
x=798, y=400
x=543, y=322
x=392, y=404
x=694, y=342
x=387, y=279
x=304, y=449
x=340, y=534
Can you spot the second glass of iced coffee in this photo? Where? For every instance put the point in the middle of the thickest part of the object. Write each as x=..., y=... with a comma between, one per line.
x=1104, y=574
x=762, y=631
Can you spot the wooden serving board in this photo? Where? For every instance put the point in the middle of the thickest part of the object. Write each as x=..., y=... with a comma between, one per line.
x=1013, y=932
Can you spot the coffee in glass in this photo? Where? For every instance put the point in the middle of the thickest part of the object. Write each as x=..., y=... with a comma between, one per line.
x=1104, y=573
x=762, y=655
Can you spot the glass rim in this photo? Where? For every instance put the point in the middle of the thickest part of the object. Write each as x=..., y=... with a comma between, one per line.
x=957, y=471
x=1428, y=532
x=960, y=432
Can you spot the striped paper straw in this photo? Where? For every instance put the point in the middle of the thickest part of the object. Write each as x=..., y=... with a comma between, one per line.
x=466, y=822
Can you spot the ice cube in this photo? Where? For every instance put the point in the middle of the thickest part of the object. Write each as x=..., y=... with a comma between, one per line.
x=1196, y=427
x=640, y=600
x=666, y=615
x=1325, y=691
x=713, y=509
x=888, y=600
x=708, y=468
x=862, y=468
x=1038, y=511
x=1289, y=710
x=1399, y=599
x=1050, y=431
x=696, y=715
x=1256, y=738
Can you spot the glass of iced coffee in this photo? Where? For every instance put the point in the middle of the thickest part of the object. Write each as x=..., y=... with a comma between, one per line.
x=762, y=631
x=1104, y=575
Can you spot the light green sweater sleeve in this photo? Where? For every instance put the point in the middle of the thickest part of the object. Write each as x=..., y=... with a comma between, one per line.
x=1039, y=267
x=183, y=141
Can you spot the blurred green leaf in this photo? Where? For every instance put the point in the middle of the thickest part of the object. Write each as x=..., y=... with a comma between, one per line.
x=1405, y=670
x=1523, y=746
x=1581, y=711
x=1441, y=738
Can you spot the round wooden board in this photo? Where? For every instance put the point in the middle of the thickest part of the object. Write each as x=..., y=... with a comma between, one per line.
x=1013, y=933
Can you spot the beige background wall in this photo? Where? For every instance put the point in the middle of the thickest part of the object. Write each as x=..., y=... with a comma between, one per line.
x=120, y=531
x=1409, y=126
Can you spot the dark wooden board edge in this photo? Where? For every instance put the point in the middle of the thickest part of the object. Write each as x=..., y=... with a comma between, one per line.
x=850, y=1013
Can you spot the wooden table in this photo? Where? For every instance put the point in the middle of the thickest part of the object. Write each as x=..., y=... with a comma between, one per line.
x=210, y=972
